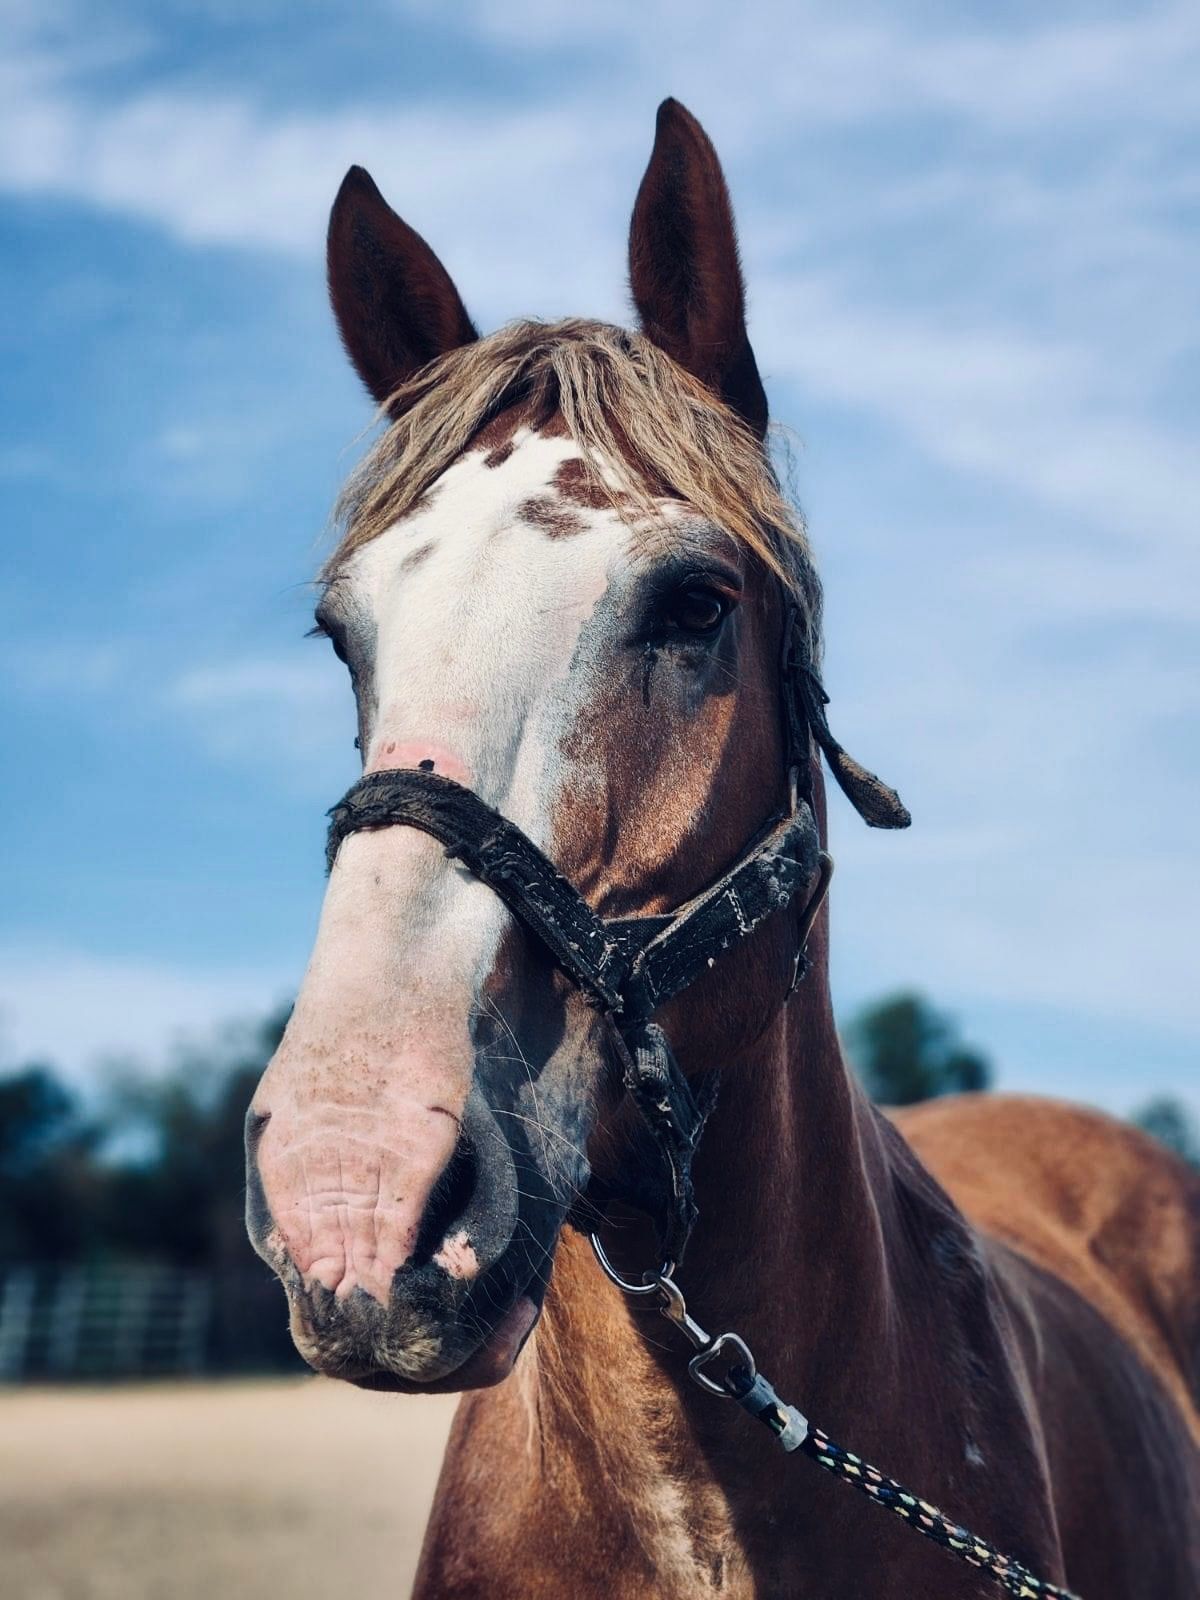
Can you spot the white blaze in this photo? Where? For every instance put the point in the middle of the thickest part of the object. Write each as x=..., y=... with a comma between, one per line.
x=476, y=616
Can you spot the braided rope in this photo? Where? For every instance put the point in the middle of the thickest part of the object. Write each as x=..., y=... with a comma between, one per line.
x=743, y=1383
x=927, y=1519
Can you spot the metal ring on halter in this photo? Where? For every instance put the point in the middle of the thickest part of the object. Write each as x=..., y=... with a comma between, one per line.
x=654, y=1286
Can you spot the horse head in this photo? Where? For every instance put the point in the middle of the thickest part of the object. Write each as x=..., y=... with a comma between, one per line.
x=564, y=574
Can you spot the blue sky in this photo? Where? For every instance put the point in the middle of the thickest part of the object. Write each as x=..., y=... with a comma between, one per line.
x=971, y=249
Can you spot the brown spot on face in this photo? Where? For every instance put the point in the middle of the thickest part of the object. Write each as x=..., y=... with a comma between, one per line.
x=551, y=516
x=414, y=558
x=576, y=482
x=495, y=438
x=551, y=425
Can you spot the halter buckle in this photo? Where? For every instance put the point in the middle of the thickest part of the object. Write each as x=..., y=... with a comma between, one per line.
x=807, y=917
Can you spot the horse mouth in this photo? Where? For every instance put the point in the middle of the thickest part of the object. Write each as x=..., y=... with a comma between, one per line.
x=428, y=1338
x=483, y=1368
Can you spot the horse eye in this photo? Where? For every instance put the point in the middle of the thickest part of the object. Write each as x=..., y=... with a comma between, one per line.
x=697, y=610
x=324, y=630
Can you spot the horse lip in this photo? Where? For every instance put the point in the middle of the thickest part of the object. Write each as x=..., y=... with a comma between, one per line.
x=497, y=1355
x=490, y=1363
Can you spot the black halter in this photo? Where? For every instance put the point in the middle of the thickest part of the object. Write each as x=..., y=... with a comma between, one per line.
x=629, y=967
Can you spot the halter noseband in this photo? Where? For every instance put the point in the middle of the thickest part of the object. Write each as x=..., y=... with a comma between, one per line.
x=629, y=967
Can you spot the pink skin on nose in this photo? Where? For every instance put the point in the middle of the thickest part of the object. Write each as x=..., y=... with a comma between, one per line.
x=386, y=754
x=348, y=1199
x=364, y=1098
x=457, y=1256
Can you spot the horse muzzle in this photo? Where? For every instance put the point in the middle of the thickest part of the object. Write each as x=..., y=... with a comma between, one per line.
x=396, y=1276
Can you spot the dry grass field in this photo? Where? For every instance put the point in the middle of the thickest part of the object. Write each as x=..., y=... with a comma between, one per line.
x=289, y=1490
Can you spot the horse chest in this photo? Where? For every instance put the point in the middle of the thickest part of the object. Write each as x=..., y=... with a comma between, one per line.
x=517, y=1517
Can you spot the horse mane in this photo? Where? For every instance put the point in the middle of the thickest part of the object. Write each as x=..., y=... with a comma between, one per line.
x=631, y=409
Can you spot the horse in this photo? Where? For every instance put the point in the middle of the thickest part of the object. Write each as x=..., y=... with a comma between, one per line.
x=566, y=580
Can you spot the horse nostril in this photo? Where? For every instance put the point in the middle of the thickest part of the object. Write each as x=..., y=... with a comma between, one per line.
x=450, y=1198
x=256, y=1124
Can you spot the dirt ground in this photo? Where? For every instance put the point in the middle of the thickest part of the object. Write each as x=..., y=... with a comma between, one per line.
x=290, y=1490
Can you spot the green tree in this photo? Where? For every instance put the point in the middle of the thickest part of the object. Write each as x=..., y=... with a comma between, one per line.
x=1170, y=1122
x=176, y=1166
x=36, y=1111
x=905, y=1050
x=156, y=1175
x=45, y=1168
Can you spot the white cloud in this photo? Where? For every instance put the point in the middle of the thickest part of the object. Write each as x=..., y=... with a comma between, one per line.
x=290, y=717
x=224, y=170
x=77, y=1010
x=1025, y=413
x=222, y=167
x=856, y=63
x=524, y=198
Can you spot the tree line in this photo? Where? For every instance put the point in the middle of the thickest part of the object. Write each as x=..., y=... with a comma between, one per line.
x=154, y=1170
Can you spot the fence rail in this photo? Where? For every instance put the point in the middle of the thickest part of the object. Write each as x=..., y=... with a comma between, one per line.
x=132, y=1320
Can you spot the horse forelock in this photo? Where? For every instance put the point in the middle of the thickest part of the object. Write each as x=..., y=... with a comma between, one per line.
x=646, y=432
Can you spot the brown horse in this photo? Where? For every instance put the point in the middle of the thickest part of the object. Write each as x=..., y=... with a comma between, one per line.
x=563, y=582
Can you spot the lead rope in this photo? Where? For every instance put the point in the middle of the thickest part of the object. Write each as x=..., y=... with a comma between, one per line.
x=742, y=1381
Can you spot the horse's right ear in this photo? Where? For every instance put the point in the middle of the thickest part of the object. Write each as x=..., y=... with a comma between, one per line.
x=394, y=301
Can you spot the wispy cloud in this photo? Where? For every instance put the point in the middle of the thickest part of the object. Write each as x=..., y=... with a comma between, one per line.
x=865, y=62
x=971, y=253
x=1039, y=417
x=77, y=1009
x=284, y=715
x=1062, y=420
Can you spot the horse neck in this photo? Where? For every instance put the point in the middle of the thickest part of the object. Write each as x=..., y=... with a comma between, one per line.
x=793, y=1250
x=795, y=1184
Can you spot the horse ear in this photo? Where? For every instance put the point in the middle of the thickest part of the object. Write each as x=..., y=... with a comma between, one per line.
x=683, y=265
x=395, y=304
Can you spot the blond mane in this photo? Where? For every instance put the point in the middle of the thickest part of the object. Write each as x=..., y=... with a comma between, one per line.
x=624, y=402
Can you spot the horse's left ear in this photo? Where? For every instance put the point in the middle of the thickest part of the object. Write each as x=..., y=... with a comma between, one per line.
x=683, y=265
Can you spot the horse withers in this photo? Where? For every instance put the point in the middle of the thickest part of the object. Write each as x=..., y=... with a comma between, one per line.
x=564, y=582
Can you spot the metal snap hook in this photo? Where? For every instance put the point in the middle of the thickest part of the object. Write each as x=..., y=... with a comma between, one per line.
x=718, y=1346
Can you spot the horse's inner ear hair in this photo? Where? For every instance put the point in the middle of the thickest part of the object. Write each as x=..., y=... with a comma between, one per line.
x=684, y=270
x=395, y=303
